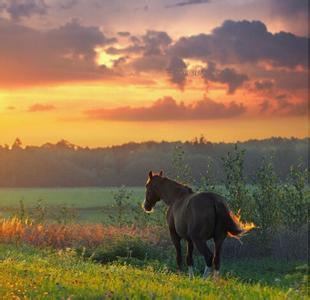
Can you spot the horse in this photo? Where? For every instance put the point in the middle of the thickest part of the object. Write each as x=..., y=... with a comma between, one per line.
x=196, y=218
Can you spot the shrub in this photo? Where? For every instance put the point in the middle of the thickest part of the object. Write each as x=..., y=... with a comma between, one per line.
x=181, y=170
x=294, y=198
x=238, y=194
x=267, y=194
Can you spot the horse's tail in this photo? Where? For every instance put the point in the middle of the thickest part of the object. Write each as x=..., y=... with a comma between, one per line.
x=232, y=223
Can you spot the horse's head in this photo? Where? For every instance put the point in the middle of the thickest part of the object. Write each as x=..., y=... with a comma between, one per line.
x=152, y=194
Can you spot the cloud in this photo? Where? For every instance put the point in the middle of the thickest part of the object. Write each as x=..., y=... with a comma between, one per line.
x=177, y=71
x=39, y=107
x=264, y=84
x=298, y=109
x=283, y=105
x=264, y=106
x=188, y=2
x=167, y=109
x=123, y=33
x=228, y=76
x=68, y=4
x=236, y=42
x=18, y=9
x=290, y=108
x=155, y=42
x=66, y=53
x=150, y=63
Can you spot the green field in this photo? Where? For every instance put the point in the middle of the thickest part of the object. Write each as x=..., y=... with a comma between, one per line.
x=90, y=204
x=122, y=268
x=78, y=197
x=29, y=273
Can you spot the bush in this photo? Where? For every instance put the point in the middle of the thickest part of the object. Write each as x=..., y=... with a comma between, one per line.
x=267, y=195
x=237, y=192
x=294, y=198
x=125, y=247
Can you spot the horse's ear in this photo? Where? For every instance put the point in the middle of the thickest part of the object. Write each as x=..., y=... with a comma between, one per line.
x=150, y=174
x=161, y=173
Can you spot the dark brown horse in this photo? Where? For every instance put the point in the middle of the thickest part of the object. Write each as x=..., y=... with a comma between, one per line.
x=195, y=217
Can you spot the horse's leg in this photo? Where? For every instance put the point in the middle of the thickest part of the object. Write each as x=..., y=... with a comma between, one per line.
x=204, y=250
x=176, y=240
x=189, y=257
x=217, y=255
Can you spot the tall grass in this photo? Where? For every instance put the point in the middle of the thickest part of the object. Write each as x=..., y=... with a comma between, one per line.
x=15, y=230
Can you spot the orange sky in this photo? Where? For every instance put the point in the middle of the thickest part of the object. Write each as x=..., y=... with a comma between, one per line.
x=82, y=81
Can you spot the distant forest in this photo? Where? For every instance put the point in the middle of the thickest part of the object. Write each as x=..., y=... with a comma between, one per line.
x=66, y=165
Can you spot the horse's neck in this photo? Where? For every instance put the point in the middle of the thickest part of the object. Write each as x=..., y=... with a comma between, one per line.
x=173, y=191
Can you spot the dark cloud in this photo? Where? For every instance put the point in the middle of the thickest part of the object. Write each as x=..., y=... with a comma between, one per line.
x=284, y=105
x=152, y=50
x=228, y=76
x=155, y=42
x=150, y=44
x=66, y=53
x=290, y=108
x=39, y=107
x=245, y=42
x=262, y=85
x=18, y=9
x=188, y=2
x=149, y=63
x=167, y=109
x=177, y=71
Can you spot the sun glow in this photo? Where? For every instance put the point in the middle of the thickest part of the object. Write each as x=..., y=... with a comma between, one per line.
x=104, y=58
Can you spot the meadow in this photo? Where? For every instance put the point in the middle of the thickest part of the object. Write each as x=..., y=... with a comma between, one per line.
x=29, y=273
x=92, y=256
x=81, y=197
x=98, y=243
x=91, y=204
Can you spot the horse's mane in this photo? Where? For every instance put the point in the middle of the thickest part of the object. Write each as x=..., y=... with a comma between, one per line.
x=180, y=186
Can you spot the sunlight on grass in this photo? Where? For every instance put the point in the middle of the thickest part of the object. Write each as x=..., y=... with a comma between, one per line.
x=28, y=273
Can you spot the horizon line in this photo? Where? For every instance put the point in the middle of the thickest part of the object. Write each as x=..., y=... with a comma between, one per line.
x=196, y=138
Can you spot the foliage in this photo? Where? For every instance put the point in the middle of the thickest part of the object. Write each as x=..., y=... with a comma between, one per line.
x=121, y=203
x=238, y=194
x=295, y=202
x=207, y=182
x=181, y=170
x=66, y=215
x=267, y=194
x=66, y=165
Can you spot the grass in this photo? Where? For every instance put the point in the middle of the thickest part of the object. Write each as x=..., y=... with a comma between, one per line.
x=90, y=204
x=79, y=197
x=29, y=273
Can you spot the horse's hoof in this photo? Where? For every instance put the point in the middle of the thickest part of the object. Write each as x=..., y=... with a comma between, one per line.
x=190, y=272
x=216, y=274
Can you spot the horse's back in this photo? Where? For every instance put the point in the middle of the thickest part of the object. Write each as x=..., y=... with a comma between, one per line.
x=198, y=216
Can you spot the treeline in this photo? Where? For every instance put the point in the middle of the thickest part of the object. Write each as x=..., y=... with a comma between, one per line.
x=64, y=164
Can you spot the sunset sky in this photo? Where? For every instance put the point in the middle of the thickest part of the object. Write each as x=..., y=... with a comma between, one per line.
x=99, y=72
